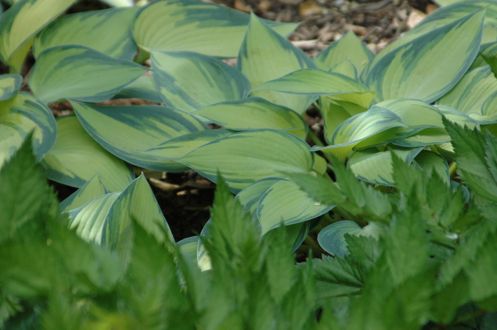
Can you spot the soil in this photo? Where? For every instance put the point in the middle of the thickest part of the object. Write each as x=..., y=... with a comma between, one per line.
x=185, y=198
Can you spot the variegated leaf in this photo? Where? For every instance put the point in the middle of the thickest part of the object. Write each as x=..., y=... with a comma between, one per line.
x=107, y=31
x=189, y=25
x=189, y=81
x=76, y=158
x=80, y=73
x=266, y=56
x=9, y=85
x=129, y=132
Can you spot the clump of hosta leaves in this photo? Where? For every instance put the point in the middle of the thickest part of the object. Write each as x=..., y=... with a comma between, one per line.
x=52, y=279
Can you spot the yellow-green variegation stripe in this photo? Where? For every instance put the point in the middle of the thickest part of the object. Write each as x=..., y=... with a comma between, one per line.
x=120, y=3
x=423, y=69
x=18, y=117
x=375, y=126
x=129, y=132
x=266, y=56
x=76, y=158
x=91, y=190
x=80, y=73
x=375, y=166
x=107, y=220
x=253, y=114
x=107, y=31
x=187, y=25
x=9, y=85
x=189, y=81
x=245, y=157
x=22, y=22
x=475, y=95
x=348, y=49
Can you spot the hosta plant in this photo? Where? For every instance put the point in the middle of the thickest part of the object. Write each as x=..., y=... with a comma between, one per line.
x=407, y=221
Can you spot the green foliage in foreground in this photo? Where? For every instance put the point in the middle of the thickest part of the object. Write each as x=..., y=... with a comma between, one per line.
x=426, y=257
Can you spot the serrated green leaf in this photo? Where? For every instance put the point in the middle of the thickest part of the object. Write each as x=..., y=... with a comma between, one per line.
x=16, y=35
x=21, y=203
x=107, y=31
x=80, y=73
x=188, y=25
x=266, y=56
x=128, y=132
x=18, y=117
x=256, y=114
x=67, y=161
x=470, y=147
x=189, y=81
x=400, y=72
x=246, y=157
x=332, y=237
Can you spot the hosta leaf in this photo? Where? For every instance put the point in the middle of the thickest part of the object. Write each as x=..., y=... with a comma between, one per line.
x=91, y=190
x=189, y=81
x=18, y=117
x=119, y=3
x=376, y=166
x=16, y=34
x=400, y=72
x=107, y=31
x=9, y=85
x=363, y=130
x=317, y=82
x=284, y=202
x=265, y=56
x=423, y=122
x=68, y=162
x=475, y=95
x=179, y=147
x=142, y=88
x=107, y=220
x=349, y=49
x=80, y=73
x=129, y=132
x=332, y=237
x=246, y=157
x=277, y=201
x=188, y=25
x=256, y=114
x=462, y=8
